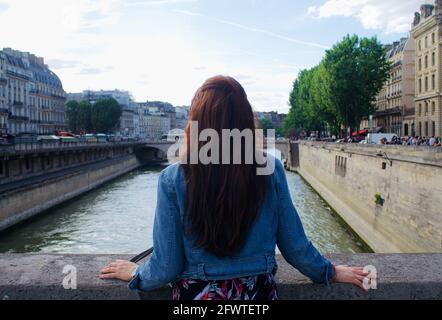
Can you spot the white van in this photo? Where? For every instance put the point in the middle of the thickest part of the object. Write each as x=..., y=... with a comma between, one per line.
x=375, y=138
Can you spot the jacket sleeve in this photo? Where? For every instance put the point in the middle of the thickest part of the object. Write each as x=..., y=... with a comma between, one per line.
x=167, y=260
x=292, y=241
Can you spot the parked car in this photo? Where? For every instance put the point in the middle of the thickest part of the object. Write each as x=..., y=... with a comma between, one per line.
x=48, y=139
x=101, y=137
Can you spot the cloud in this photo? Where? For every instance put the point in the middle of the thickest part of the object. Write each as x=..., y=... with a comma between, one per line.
x=390, y=16
x=83, y=15
x=58, y=64
x=252, y=29
x=157, y=2
x=3, y=7
x=94, y=70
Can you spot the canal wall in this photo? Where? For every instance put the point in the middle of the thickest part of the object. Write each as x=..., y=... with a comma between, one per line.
x=391, y=196
x=399, y=276
x=31, y=197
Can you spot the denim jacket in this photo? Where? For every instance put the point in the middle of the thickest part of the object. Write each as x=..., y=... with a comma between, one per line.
x=177, y=257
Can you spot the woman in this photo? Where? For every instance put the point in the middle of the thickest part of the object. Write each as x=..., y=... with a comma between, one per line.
x=217, y=225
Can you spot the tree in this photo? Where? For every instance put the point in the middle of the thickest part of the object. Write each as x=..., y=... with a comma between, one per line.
x=265, y=124
x=103, y=116
x=358, y=69
x=341, y=90
x=72, y=116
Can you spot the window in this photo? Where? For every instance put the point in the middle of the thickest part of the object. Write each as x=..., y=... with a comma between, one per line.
x=420, y=85
x=420, y=128
x=433, y=107
x=426, y=62
x=433, y=38
x=433, y=59
x=433, y=82
x=420, y=64
x=426, y=84
x=426, y=128
x=426, y=108
x=433, y=128
x=419, y=110
x=406, y=129
x=426, y=42
x=420, y=45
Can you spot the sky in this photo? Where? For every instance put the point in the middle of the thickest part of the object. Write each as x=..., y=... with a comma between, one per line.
x=165, y=49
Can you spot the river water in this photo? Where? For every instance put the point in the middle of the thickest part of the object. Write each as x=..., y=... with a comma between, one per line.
x=118, y=217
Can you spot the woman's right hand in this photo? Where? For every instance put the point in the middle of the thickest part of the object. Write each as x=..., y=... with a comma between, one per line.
x=351, y=275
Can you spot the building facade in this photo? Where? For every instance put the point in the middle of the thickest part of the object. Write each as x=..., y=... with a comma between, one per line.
x=32, y=99
x=395, y=111
x=277, y=119
x=182, y=117
x=129, y=123
x=154, y=123
x=426, y=31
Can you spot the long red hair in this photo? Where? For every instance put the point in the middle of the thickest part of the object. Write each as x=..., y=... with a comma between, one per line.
x=223, y=200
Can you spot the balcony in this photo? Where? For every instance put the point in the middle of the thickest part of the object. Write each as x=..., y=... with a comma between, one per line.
x=390, y=111
x=18, y=75
x=18, y=118
x=57, y=96
x=4, y=111
x=18, y=104
x=3, y=81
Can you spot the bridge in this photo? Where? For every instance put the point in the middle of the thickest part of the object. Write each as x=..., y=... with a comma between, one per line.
x=157, y=150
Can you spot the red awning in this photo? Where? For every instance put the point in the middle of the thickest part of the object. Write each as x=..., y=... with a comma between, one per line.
x=359, y=133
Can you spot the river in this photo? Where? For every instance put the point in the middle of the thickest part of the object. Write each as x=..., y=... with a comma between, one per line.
x=118, y=217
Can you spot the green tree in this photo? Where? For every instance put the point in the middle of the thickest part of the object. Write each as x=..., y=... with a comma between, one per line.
x=72, y=116
x=341, y=90
x=105, y=115
x=265, y=124
x=357, y=68
x=84, y=116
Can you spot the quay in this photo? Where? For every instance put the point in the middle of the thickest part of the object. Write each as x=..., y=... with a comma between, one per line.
x=36, y=177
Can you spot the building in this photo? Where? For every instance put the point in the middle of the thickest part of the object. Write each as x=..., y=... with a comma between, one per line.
x=426, y=32
x=182, y=117
x=154, y=124
x=129, y=123
x=163, y=108
x=32, y=99
x=395, y=112
x=277, y=119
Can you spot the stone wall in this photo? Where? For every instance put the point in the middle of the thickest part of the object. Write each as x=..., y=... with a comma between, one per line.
x=40, y=276
x=27, y=201
x=407, y=181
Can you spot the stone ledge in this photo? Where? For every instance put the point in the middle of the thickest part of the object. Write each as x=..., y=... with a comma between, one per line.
x=39, y=276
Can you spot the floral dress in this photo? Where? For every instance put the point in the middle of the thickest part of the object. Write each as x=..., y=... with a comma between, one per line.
x=260, y=287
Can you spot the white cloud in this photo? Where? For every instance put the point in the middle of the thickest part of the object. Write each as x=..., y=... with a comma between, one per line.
x=95, y=44
x=390, y=16
x=253, y=29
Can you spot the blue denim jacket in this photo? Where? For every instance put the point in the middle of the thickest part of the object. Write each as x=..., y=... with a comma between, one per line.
x=177, y=257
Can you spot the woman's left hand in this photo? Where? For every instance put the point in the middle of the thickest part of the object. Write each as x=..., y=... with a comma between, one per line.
x=119, y=269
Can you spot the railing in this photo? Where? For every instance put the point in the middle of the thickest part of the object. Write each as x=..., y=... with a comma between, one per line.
x=18, y=103
x=18, y=118
x=32, y=145
x=18, y=75
x=419, y=277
